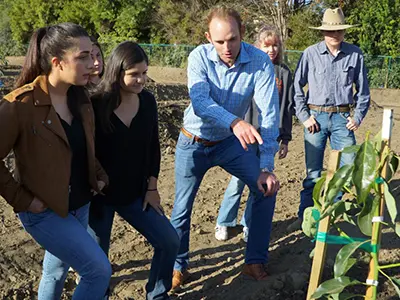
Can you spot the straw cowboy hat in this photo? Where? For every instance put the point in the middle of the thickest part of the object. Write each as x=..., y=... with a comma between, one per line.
x=333, y=20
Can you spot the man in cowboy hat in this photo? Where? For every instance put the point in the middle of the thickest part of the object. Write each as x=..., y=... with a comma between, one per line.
x=330, y=68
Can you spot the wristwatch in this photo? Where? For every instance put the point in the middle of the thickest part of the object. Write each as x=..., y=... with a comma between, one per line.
x=265, y=170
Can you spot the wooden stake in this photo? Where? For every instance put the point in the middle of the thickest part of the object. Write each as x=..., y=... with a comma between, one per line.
x=320, y=247
x=373, y=274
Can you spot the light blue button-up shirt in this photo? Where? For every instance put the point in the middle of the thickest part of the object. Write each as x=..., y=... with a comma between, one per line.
x=219, y=94
x=330, y=80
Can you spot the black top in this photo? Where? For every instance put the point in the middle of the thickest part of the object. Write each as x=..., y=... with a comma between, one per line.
x=80, y=192
x=284, y=84
x=129, y=155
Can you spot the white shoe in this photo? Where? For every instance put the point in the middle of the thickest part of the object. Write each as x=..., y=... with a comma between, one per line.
x=221, y=233
x=245, y=234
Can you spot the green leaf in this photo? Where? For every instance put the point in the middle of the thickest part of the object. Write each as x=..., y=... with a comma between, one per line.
x=343, y=260
x=390, y=202
x=396, y=284
x=397, y=228
x=337, y=182
x=309, y=224
x=364, y=219
x=364, y=170
x=393, y=166
x=348, y=219
x=311, y=255
x=317, y=191
x=334, y=286
x=351, y=149
x=349, y=264
x=345, y=296
x=378, y=141
x=330, y=209
x=342, y=208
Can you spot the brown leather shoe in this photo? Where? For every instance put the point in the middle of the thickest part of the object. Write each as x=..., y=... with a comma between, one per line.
x=255, y=272
x=178, y=278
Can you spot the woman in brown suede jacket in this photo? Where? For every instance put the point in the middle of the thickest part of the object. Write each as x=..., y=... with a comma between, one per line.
x=48, y=122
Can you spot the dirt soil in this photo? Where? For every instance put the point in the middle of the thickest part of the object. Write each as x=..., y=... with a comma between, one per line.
x=215, y=266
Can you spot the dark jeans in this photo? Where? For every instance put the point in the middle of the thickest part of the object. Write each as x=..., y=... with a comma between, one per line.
x=155, y=228
x=192, y=161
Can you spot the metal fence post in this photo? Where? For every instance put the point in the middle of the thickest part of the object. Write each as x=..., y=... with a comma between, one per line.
x=388, y=72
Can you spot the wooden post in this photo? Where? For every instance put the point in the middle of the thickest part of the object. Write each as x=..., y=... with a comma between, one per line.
x=320, y=247
x=371, y=292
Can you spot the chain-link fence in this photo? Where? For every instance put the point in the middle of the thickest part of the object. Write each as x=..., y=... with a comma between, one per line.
x=383, y=71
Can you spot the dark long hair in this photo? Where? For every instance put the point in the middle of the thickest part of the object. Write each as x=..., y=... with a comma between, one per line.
x=95, y=42
x=107, y=96
x=46, y=43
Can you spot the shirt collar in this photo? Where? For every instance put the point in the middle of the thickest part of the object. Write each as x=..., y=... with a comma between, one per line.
x=323, y=48
x=241, y=59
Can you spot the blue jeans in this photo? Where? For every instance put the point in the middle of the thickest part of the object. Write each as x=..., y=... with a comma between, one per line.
x=332, y=126
x=191, y=163
x=229, y=208
x=155, y=228
x=68, y=243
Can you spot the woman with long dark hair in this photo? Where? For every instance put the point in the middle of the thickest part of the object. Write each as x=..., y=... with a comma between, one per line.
x=98, y=63
x=48, y=122
x=127, y=145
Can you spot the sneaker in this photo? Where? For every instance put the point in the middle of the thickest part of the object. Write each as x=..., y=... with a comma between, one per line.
x=221, y=233
x=296, y=225
x=245, y=234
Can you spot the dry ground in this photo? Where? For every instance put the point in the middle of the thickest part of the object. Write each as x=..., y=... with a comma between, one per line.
x=215, y=266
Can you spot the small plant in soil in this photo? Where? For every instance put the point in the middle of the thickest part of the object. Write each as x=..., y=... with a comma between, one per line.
x=362, y=186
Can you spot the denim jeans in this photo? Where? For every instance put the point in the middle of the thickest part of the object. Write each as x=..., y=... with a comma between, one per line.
x=229, y=208
x=155, y=228
x=191, y=163
x=332, y=127
x=68, y=243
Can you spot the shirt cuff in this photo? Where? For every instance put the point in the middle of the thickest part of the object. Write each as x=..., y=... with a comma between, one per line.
x=228, y=120
x=267, y=161
x=303, y=116
x=358, y=118
x=285, y=142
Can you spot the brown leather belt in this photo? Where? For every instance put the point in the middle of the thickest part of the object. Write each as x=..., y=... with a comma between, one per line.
x=197, y=139
x=333, y=109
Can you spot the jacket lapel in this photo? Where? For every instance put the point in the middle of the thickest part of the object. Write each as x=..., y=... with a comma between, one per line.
x=42, y=98
x=52, y=122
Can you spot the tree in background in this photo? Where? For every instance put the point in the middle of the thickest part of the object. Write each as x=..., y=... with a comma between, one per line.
x=27, y=15
x=7, y=45
x=275, y=12
x=112, y=21
x=379, y=30
x=181, y=21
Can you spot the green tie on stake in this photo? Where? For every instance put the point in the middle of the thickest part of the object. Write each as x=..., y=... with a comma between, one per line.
x=379, y=211
x=366, y=183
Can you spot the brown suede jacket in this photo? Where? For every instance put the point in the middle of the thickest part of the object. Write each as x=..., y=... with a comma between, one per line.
x=29, y=125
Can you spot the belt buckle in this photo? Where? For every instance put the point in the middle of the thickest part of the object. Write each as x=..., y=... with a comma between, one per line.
x=337, y=109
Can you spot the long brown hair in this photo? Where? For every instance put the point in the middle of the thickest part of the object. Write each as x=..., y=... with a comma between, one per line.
x=46, y=43
x=107, y=97
x=95, y=42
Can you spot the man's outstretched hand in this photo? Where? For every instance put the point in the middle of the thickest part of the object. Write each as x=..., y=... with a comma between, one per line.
x=246, y=133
